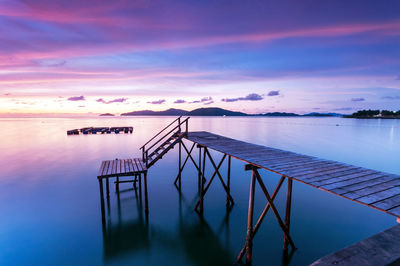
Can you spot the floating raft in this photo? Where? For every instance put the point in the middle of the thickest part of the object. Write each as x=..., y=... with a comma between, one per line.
x=101, y=130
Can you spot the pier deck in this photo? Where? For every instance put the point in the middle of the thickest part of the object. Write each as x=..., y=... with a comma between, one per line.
x=380, y=249
x=365, y=186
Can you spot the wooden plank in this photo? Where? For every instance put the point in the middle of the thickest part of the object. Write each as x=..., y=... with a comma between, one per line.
x=379, y=196
x=307, y=167
x=320, y=172
x=106, y=166
x=372, y=189
x=334, y=173
x=103, y=163
x=388, y=203
x=114, y=167
x=351, y=181
x=361, y=185
x=137, y=166
x=380, y=249
x=335, y=180
x=130, y=166
x=395, y=211
x=109, y=171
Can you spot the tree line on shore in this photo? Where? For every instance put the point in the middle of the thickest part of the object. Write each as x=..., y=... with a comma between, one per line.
x=375, y=114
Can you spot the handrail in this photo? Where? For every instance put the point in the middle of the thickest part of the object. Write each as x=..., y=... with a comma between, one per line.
x=160, y=132
x=159, y=140
x=176, y=129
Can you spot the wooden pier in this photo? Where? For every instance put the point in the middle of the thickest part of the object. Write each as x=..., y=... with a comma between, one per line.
x=378, y=250
x=371, y=188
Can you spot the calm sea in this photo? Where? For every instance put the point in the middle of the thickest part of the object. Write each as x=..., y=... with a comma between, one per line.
x=50, y=203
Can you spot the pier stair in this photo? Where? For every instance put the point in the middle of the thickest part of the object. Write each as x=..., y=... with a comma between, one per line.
x=165, y=140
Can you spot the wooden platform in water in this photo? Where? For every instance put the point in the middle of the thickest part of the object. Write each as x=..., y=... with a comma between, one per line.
x=122, y=167
x=380, y=249
x=369, y=187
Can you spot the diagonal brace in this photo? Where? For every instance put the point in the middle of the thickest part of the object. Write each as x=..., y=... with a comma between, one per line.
x=187, y=158
x=211, y=179
x=262, y=216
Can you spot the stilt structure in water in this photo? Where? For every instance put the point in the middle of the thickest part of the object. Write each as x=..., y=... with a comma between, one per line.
x=372, y=188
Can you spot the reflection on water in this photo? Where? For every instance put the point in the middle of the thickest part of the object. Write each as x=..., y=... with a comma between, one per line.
x=200, y=244
x=51, y=213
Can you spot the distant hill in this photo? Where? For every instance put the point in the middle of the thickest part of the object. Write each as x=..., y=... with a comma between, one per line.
x=171, y=112
x=280, y=114
x=107, y=114
x=324, y=114
x=214, y=111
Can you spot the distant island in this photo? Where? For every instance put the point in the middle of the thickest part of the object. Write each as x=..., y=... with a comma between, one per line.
x=214, y=111
x=107, y=114
x=368, y=114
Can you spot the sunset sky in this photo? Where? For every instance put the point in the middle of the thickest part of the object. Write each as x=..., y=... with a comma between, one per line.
x=255, y=56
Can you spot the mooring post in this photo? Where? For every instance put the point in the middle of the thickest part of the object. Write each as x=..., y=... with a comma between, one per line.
x=103, y=211
x=249, y=237
x=287, y=216
x=180, y=166
x=146, y=203
x=228, y=183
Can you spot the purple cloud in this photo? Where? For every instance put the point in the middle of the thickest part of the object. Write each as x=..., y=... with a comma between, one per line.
x=157, y=102
x=7, y=94
x=119, y=100
x=343, y=109
x=273, y=93
x=357, y=99
x=76, y=98
x=180, y=101
x=250, y=97
x=391, y=97
x=203, y=100
x=207, y=103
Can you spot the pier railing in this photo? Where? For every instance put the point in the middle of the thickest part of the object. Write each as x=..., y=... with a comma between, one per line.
x=176, y=128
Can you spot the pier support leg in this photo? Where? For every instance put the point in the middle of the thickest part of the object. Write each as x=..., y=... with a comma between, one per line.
x=117, y=184
x=269, y=205
x=102, y=206
x=249, y=236
x=287, y=215
x=146, y=202
x=180, y=166
x=202, y=181
x=199, y=170
x=107, y=187
x=228, y=182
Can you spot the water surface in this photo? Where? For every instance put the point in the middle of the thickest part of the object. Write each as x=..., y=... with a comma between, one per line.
x=50, y=203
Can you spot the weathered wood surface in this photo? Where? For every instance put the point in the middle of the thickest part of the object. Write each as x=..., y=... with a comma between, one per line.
x=381, y=249
x=122, y=167
x=368, y=187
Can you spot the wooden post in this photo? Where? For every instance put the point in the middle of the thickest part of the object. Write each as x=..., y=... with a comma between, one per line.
x=180, y=166
x=117, y=184
x=103, y=211
x=228, y=183
x=140, y=186
x=199, y=175
x=287, y=216
x=202, y=181
x=249, y=237
x=107, y=187
x=146, y=203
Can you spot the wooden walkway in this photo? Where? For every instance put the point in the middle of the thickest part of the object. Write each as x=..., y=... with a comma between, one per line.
x=381, y=249
x=122, y=167
x=369, y=187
